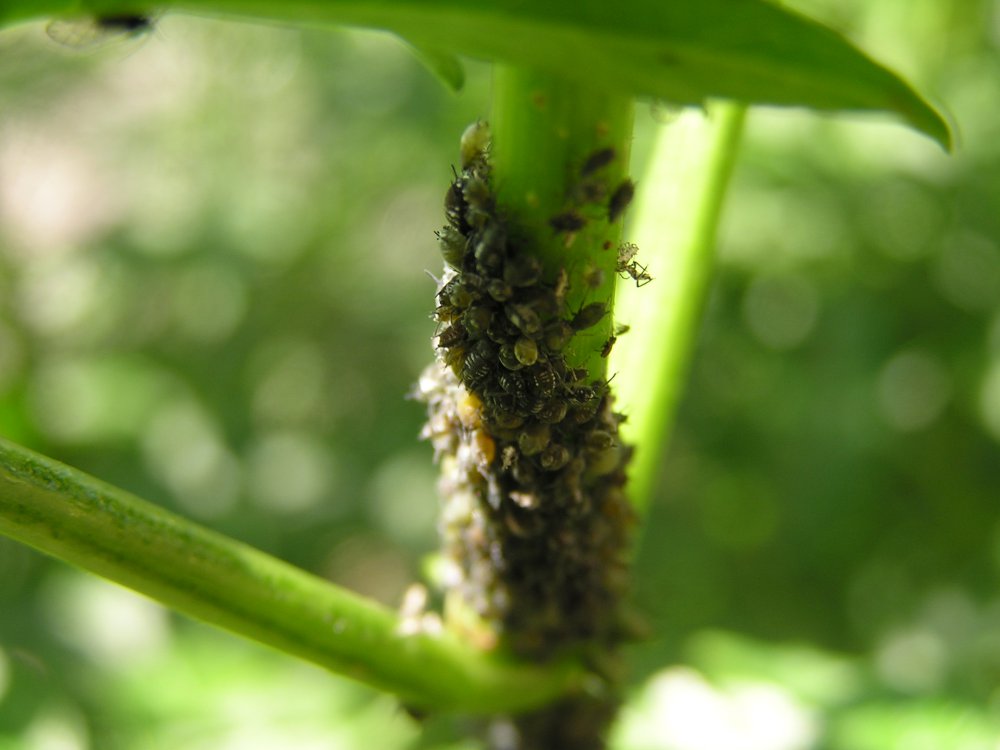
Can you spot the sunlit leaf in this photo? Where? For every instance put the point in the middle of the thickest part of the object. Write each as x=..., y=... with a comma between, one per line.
x=680, y=51
x=683, y=52
x=445, y=66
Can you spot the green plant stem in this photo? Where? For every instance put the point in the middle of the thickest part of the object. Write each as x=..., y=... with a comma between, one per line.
x=675, y=226
x=544, y=128
x=107, y=531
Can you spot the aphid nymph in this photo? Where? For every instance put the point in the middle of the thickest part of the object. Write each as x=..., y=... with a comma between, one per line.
x=454, y=207
x=526, y=351
x=499, y=290
x=593, y=277
x=626, y=252
x=452, y=246
x=477, y=194
x=475, y=141
x=553, y=411
x=508, y=357
x=524, y=318
x=522, y=270
x=477, y=320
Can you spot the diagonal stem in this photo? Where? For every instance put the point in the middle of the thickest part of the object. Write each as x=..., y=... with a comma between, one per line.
x=210, y=577
x=675, y=226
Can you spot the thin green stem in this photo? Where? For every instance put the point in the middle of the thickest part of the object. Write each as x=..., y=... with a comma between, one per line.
x=544, y=129
x=675, y=226
x=107, y=531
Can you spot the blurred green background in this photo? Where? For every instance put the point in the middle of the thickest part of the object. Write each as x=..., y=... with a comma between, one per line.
x=214, y=248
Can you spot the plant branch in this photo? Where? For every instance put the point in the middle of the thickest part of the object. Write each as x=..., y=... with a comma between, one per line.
x=210, y=577
x=675, y=225
x=544, y=129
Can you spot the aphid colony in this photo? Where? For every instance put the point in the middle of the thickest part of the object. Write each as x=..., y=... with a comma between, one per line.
x=535, y=522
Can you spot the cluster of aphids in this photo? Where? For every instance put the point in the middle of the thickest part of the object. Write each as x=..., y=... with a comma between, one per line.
x=535, y=523
x=590, y=190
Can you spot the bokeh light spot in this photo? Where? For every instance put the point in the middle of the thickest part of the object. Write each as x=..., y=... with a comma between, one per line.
x=993, y=337
x=913, y=389
x=56, y=729
x=968, y=272
x=4, y=674
x=680, y=710
x=108, y=623
x=903, y=220
x=290, y=472
x=989, y=399
x=56, y=296
x=372, y=567
x=291, y=380
x=11, y=356
x=913, y=661
x=53, y=196
x=209, y=301
x=96, y=398
x=403, y=498
x=739, y=512
x=183, y=449
x=781, y=311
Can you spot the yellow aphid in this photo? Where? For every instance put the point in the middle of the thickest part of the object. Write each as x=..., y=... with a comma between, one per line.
x=486, y=447
x=470, y=411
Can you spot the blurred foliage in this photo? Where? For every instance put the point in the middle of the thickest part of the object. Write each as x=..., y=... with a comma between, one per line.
x=213, y=247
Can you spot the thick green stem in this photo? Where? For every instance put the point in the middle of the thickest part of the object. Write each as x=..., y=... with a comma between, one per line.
x=675, y=225
x=544, y=129
x=84, y=521
x=544, y=551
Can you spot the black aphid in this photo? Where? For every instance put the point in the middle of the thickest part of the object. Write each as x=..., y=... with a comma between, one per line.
x=451, y=336
x=125, y=23
x=588, y=315
x=568, y=221
x=608, y=346
x=597, y=160
x=620, y=199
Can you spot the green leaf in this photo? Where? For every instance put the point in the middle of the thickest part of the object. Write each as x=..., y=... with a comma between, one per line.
x=445, y=66
x=682, y=51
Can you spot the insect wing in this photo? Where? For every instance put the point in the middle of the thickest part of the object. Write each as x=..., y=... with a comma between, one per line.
x=92, y=33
